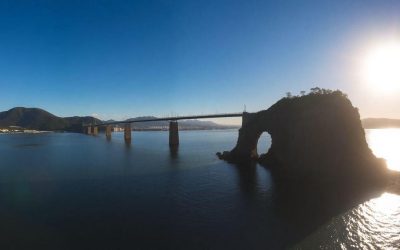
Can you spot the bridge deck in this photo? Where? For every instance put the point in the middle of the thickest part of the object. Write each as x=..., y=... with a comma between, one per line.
x=170, y=119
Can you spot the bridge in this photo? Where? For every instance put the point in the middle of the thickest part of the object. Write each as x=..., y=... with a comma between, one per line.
x=93, y=129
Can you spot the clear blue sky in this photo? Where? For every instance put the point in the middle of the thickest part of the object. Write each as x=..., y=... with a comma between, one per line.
x=122, y=59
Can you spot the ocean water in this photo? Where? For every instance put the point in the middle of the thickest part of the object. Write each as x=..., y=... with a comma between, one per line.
x=373, y=224
x=73, y=191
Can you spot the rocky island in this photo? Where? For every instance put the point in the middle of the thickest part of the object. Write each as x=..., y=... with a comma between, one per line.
x=316, y=137
x=319, y=159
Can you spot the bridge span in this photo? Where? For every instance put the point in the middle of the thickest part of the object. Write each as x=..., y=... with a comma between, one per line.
x=93, y=129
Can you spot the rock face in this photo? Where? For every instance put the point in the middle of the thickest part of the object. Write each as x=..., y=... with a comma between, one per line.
x=317, y=136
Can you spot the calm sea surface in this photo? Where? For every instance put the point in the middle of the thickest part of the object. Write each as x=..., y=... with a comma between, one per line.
x=73, y=191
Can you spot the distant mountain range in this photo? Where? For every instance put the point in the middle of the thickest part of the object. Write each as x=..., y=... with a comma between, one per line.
x=184, y=124
x=39, y=119
x=380, y=123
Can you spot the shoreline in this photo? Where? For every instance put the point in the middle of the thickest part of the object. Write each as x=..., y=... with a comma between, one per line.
x=140, y=130
x=25, y=132
x=137, y=130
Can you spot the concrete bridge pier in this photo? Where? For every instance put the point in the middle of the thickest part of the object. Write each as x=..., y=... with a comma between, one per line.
x=108, y=132
x=89, y=130
x=173, y=134
x=95, y=131
x=128, y=133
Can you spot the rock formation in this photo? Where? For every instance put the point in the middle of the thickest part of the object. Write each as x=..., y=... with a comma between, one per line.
x=314, y=137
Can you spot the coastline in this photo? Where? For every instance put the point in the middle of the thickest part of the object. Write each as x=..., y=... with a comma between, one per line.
x=2, y=132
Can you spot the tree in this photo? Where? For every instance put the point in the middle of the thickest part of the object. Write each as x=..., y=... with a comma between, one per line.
x=316, y=90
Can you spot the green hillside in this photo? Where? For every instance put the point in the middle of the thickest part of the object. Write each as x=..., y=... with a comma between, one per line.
x=39, y=119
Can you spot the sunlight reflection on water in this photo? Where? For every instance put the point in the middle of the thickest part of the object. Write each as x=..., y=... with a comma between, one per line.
x=374, y=224
x=385, y=143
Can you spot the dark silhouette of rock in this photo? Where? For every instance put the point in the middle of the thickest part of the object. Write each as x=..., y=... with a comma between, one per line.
x=316, y=137
x=320, y=162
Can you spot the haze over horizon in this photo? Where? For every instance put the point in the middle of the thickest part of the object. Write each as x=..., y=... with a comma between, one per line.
x=123, y=59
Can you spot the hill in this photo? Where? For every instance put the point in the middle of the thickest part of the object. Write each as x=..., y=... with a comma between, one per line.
x=39, y=119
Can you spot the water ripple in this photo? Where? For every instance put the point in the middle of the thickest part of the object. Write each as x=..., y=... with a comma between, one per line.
x=374, y=224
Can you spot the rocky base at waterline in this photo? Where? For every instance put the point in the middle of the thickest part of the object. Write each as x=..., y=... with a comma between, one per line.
x=315, y=137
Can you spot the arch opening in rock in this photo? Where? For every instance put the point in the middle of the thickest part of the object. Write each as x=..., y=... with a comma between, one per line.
x=249, y=136
x=263, y=143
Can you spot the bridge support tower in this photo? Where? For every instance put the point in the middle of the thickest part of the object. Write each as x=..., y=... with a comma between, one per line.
x=128, y=133
x=95, y=131
x=173, y=134
x=89, y=130
x=108, y=132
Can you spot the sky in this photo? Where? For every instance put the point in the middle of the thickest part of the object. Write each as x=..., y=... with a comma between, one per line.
x=119, y=59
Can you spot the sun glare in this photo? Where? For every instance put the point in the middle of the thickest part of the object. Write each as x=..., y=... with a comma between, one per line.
x=385, y=143
x=382, y=67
